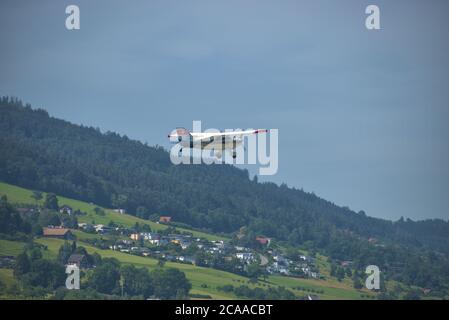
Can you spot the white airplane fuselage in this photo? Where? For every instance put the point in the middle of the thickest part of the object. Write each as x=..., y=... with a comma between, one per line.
x=218, y=145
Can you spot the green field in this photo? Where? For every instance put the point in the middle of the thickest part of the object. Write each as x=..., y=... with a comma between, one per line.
x=7, y=276
x=204, y=280
x=10, y=248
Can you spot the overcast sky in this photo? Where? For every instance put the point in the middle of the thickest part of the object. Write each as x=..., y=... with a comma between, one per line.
x=362, y=115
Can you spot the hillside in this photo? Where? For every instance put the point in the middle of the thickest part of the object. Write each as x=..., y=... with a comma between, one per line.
x=52, y=155
x=204, y=280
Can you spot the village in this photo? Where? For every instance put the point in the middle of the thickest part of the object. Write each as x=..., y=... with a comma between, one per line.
x=171, y=245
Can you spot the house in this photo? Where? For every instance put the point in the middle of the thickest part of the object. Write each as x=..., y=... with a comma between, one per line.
x=66, y=209
x=150, y=236
x=184, y=244
x=169, y=257
x=86, y=226
x=277, y=267
x=102, y=229
x=263, y=240
x=283, y=270
x=213, y=250
x=245, y=256
x=219, y=244
x=121, y=211
x=144, y=251
x=346, y=263
x=145, y=235
x=135, y=236
x=306, y=258
x=61, y=233
x=80, y=260
x=165, y=219
x=155, y=241
x=98, y=227
x=186, y=259
x=280, y=259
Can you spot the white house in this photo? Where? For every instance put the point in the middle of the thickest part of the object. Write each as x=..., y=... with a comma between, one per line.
x=66, y=209
x=245, y=256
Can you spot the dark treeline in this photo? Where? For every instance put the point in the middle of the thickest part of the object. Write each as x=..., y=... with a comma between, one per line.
x=43, y=153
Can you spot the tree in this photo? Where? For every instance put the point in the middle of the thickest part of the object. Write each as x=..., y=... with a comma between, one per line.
x=170, y=284
x=99, y=211
x=96, y=259
x=119, y=200
x=160, y=262
x=142, y=212
x=35, y=253
x=69, y=221
x=253, y=270
x=51, y=202
x=44, y=273
x=10, y=221
x=348, y=272
x=49, y=218
x=22, y=265
x=201, y=258
x=65, y=251
x=37, y=196
x=333, y=271
x=136, y=281
x=106, y=277
x=340, y=274
x=357, y=283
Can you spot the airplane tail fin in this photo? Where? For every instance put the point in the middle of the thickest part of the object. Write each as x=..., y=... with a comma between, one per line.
x=183, y=132
x=180, y=133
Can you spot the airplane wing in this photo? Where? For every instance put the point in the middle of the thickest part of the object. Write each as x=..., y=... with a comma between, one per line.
x=208, y=135
x=199, y=136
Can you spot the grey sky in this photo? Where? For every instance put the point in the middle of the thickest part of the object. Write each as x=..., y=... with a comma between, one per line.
x=362, y=115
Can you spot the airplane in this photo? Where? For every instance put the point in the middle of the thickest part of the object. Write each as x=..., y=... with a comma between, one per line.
x=226, y=141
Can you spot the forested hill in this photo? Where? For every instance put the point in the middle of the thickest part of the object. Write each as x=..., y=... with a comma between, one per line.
x=44, y=153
